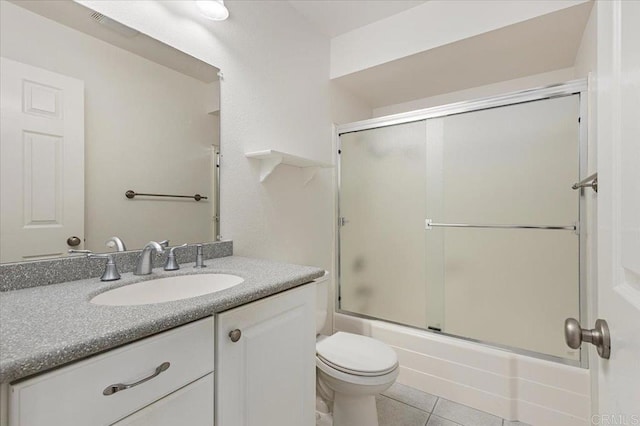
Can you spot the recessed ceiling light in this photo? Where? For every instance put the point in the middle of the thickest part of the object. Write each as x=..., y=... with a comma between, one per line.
x=213, y=9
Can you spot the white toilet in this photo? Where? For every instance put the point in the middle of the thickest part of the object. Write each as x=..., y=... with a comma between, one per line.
x=351, y=371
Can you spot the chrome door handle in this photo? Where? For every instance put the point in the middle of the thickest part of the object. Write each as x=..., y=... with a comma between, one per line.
x=574, y=335
x=111, y=389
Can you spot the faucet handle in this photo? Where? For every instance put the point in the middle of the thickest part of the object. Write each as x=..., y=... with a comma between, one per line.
x=172, y=264
x=110, y=269
x=199, y=257
x=164, y=244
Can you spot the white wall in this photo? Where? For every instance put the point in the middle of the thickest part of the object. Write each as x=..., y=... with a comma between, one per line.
x=495, y=89
x=432, y=24
x=586, y=58
x=129, y=101
x=346, y=107
x=274, y=94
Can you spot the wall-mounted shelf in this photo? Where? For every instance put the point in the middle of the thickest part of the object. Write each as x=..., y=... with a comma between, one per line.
x=270, y=159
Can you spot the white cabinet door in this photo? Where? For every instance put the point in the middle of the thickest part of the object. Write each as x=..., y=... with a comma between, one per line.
x=192, y=405
x=42, y=162
x=267, y=377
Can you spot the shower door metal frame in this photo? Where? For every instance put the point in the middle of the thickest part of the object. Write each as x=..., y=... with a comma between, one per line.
x=573, y=87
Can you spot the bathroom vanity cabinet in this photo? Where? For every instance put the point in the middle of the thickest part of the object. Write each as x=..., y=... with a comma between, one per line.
x=262, y=354
x=74, y=395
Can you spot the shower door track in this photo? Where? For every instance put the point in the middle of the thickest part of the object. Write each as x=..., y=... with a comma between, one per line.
x=573, y=87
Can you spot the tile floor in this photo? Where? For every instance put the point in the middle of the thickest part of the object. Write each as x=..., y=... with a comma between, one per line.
x=402, y=405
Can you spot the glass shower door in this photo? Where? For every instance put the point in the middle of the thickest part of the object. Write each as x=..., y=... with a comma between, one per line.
x=467, y=224
x=510, y=166
x=382, y=207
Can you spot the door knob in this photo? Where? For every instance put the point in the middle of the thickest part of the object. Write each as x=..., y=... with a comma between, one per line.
x=73, y=241
x=235, y=335
x=574, y=335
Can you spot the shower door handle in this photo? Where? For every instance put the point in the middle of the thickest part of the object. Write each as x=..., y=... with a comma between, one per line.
x=600, y=337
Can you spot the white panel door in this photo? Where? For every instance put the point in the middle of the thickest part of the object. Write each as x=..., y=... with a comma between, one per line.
x=267, y=376
x=42, y=162
x=618, y=133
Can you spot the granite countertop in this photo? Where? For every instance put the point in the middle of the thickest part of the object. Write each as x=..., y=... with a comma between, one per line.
x=48, y=326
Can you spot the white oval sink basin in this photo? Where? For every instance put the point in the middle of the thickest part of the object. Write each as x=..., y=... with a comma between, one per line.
x=166, y=289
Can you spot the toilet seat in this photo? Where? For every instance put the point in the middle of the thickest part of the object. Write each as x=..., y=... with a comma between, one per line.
x=356, y=355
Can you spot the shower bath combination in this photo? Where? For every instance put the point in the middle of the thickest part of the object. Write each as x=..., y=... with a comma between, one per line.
x=462, y=219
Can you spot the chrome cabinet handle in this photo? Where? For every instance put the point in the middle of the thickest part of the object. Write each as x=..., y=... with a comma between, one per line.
x=111, y=389
x=235, y=335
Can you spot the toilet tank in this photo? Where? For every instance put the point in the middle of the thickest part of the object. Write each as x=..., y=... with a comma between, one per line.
x=322, y=301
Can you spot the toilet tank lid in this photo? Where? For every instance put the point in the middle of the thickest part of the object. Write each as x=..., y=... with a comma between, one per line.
x=357, y=353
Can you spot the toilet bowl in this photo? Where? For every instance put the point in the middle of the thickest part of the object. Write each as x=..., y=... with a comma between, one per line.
x=351, y=370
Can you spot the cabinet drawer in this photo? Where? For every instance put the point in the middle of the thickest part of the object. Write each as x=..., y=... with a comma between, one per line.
x=73, y=395
x=192, y=405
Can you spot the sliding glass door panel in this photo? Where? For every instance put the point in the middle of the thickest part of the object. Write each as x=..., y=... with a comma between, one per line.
x=509, y=165
x=382, y=201
x=514, y=288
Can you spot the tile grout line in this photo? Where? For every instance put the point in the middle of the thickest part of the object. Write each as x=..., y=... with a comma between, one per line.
x=427, y=422
x=432, y=410
x=409, y=405
x=431, y=413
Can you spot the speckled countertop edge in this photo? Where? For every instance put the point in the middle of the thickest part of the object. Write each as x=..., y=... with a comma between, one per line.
x=49, y=326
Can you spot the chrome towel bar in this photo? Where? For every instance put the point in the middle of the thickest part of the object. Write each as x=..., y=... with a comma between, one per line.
x=429, y=224
x=130, y=194
x=588, y=182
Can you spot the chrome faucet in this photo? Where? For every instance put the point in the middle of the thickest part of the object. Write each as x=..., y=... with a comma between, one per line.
x=117, y=243
x=145, y=261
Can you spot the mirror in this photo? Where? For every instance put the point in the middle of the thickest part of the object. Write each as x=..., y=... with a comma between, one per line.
x=92, y=109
